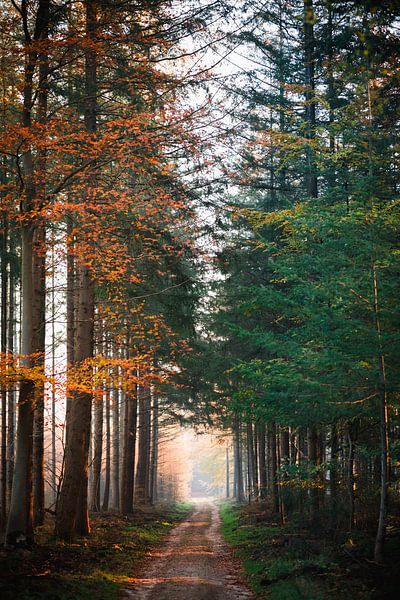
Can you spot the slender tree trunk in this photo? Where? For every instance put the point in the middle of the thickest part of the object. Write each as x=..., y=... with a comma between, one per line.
x=39, y=280
x=333, y=475
x=142, y=471
x=309, y=47
x=384, y=427
x=128, y=462
x=239, y=463
x=351, y=482
x=20, y=520
x=227, y=478
x=115, y=485
x=382, y=382
x=107, y=474
x=250, y=459
x=235, y=469
x=53, y=386
x=97, y=456
x=11, y=390
x=273, y=478
x=154, y=452
x=72, y=513
x=3, y=348
x=262, y=459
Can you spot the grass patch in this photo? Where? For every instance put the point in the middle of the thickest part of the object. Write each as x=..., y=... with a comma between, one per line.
x=90, y=569
x=286, y=562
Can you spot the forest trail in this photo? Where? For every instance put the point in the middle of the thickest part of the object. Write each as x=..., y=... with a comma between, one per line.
x=194, y=564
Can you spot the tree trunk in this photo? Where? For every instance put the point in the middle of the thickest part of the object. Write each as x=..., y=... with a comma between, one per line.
x=72, y=513
x=309, y=48
x=11, y=390
x=39, y=308
x=115, y=495
x=3, y=349
x=333, y=475
x=142, y=471
x=39, y=280
x=97, y=456
x=53, y=387
x=273, y=479
x=107, y=475
x=20, y=520
x=262, y=459
x=227, y=478
x=351, y=482
x=238, y=463
x=128, y=462
x=154, y=452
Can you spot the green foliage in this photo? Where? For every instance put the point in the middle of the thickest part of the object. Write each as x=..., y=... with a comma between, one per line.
x=283, y=562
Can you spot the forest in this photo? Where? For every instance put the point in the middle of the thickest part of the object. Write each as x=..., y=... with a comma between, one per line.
x=199, y=322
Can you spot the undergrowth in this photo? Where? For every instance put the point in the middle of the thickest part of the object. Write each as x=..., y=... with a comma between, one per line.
x=287, y=562
x=92, y=568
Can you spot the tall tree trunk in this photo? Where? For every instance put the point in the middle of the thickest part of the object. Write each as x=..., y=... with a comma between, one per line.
x=284, y=439
x=128, y=461
x=3, y=349
x=11, y=390
x=262, y=459
x=351, y=482
x=227, y=477
x=107, y=474
x=97, y=456
x=252, y=466
x=309, y=48
x=272, y=463
x=142, y=471
x=115, y=483
x=333, y=475
x=20, y=520
x=154, y=452
x=382, y=382
x=313, y=457
x=384, y=427
x=39, y=279
x=53, y=386
x=72, y=514
x=238, y=463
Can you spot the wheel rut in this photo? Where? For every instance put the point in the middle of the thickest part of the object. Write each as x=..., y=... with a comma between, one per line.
x=194, y=563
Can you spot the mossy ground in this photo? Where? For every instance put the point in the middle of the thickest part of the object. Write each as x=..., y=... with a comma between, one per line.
x=92, y=568
x=286, y=562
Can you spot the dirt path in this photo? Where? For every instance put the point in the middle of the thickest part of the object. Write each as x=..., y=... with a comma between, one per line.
x=194, y=564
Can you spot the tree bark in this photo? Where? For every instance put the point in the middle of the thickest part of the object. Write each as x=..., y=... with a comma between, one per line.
x=3, y=349
x=227, y=477
x=20, y=520
x=262, y=459
x=115, y=479
x=154, y=452
x=273, y=478
x=239, y=496
x=309, y=49
x=97, y=456
x=72, y=514
x=142, y=470
x=107, y=474
x=11, y=390
x=128, y=461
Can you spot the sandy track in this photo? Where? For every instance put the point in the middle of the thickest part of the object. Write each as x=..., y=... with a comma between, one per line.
x=193, y=564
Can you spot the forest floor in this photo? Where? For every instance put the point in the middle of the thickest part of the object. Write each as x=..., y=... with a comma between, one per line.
x=297, y=562
x=195, y=563
x=94, y=568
